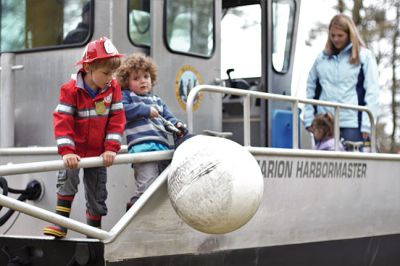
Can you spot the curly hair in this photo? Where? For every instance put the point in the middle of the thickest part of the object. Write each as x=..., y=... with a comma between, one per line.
x=134, y=63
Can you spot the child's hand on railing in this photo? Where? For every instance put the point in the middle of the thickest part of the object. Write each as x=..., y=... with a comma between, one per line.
x=71, y=160
x=108, y=158
x=182, y=128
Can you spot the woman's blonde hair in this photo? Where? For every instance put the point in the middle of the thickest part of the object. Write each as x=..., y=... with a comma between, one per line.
x=347, y=25
x=136, y=62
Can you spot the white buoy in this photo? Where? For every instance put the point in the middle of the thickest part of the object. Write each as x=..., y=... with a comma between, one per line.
x=215, y=185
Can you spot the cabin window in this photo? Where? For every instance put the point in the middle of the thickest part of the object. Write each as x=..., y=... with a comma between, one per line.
x=282, y=32
x=139, y=22
x=32, y=24
x=241, y=41
x=190, y=26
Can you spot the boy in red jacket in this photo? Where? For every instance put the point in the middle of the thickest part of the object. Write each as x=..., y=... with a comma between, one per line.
x=88, y=121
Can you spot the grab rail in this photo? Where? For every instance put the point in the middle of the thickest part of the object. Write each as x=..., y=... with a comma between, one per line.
x=13, y=169
x=246, y=94
x=40, y=150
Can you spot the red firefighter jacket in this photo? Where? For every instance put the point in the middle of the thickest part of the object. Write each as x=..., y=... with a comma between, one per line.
x=88, y=126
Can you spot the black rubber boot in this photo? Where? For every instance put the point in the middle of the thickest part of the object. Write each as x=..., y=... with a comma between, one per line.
x=63, y=208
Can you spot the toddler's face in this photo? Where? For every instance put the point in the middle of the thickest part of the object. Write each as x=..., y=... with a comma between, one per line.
x=318, y=134
x=140, y=82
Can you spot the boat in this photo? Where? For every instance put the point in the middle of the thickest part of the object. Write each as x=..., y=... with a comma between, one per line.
x=318, y=207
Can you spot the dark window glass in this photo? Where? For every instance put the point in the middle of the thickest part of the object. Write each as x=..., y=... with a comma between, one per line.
x=139, y=22
x=29, y=24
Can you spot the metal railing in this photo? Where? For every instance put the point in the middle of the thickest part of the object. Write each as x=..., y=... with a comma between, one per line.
x=14, y=169
x=109, y=236
x=246, y=95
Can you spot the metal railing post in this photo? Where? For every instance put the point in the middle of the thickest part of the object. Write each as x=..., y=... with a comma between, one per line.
x=295, y=125
x=336, y=130
x=246, y=120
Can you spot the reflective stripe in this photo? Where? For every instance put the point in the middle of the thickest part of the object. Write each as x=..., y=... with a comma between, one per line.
x=63, y=108
x=65, y=141
x=113, y=136
x=63, y=209
x=116, y=106
x=91, y=113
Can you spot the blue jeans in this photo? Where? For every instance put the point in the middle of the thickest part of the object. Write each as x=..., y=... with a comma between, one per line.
x=355, y=135
x=351, y=134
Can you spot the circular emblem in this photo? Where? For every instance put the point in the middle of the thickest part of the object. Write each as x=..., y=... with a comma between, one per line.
x=108, y=98
x=186, y=79
x=100, y=107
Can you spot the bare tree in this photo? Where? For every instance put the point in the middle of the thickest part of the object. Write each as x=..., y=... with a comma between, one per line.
x=395, y=82
x=377, y=27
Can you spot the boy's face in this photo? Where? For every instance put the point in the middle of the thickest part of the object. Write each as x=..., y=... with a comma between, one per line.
x=140, y=82
x=99, y=78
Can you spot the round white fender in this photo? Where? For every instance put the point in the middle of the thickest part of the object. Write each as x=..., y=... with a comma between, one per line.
x=215, y=185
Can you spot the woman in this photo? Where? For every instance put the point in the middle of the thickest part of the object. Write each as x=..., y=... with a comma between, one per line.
x=345, y=72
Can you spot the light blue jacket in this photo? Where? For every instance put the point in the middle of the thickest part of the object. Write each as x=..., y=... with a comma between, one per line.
x=338, y=79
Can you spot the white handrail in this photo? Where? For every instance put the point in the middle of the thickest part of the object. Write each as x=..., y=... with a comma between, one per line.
x=46, y=166
x=13, y=169
x=52, y=217
x=270, y=96
x=40, y=150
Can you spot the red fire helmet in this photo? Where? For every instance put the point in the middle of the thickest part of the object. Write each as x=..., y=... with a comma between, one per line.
x=99, y=49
